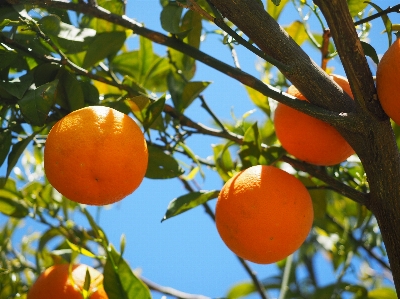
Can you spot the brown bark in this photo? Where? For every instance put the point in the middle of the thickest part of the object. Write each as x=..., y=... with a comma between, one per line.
x=371, y=135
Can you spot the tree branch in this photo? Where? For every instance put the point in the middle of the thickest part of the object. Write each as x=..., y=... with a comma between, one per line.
x=388, y=10
x=320, y=173
x=335, y=118
x=352, y=55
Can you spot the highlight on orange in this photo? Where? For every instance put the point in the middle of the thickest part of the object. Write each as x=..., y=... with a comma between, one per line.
x=264, y=214
x=57, y=282
x=310, y=139
x=95, y=155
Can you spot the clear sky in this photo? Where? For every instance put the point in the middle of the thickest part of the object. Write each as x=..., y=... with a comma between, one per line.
x=186, y=252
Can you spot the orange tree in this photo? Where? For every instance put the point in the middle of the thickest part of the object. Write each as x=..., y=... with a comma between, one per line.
x=59, y=56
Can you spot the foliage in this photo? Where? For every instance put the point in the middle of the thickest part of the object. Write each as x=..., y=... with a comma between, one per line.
x=55, y=60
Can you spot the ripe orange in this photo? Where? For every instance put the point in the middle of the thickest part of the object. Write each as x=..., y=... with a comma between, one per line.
x=263, y=214
x=56, y=282
x=95, y=155
x=310, y=139
x=387, y=81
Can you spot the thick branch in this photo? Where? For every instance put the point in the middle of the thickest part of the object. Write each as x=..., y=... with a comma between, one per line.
x=334, y=118
x=351, y=54
x=272, y=39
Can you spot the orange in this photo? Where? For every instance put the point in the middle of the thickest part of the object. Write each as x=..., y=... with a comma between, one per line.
x=56, y=282
x=387, y=82
x=95, y=155
x=310, y=139
x=263, y=214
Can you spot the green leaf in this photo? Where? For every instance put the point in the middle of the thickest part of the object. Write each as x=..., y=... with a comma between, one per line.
x=241, y=289
x=18, y=86
x=382, y=293
x=191, y=23
x=188, y=201
x=271, y=154
x=11, y=201
x=275, y=9
x=98, y=232
x=69, y=38
x=259, y=100
x=223, y=160
x=103, y=45
x=119, y=280
x=5, y=144
x=297, y=32
x=193, y=157
x=191, y=91
x=370, y=51
x=36, y=104
x=251, y=148
x=16, y=152
x=80, y=249
x=71, y=88
x=356, y=6
x=153, y=112
x=162, y=165
x=386, y=21
x=47, y=236
x=170, y=18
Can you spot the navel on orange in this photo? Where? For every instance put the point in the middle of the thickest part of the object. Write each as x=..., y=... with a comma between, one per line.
x=263, y=214
x=95, y=155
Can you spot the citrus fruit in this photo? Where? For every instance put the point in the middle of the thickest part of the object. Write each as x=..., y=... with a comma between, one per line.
x=387, y=81
x=56, y=282
x=263, y=214
x=310, y=139
x=95, y=155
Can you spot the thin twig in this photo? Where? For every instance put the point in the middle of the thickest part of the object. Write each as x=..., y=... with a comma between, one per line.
x=395, y=8
x=325, y=48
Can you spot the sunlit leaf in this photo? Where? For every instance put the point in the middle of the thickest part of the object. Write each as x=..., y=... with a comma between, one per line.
x=241, y=289
x=188, y=201
x=223, y=160
x=275, y=7
x=119, y=280
x=297, y=32
x=356, y=6
x=382, y=293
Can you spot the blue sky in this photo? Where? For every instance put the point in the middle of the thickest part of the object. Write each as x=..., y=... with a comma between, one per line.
x=185, y=252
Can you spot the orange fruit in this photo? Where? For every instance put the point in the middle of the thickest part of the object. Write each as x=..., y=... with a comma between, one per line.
x=310, y=139
x=56, y=282
x=95, y=155
x=263, y=214
x=387, y=81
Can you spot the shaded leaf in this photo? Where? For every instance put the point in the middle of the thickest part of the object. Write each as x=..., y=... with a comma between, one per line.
x=386, y=21
x=188, y=201
x=36, y=104
x=153, y=112
x=103, y=45
x=5, y=144
x=223, y=160
x=18, y=86
x=170, y=18
x=162, y=165
x=370, y=51
x=251, y=148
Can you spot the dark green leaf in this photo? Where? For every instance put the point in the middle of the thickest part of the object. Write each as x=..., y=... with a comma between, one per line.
x=47, y=236
x=271, y=154
x=162, y=165
x=188, y=201
x=251, y=148
x=119, y=280
x=276, y=2
x=103, y=45
x=87, y=283
x=36, y=104
x=72, y=90
x=13, y=206
x=170, y=18
x=191, y=23
x=90, y=93
x=5, y=145
x=18, y=86
x=153, y=112
x=175, y=87
x=16, y=152
x=191, y=91
x=370, y=51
